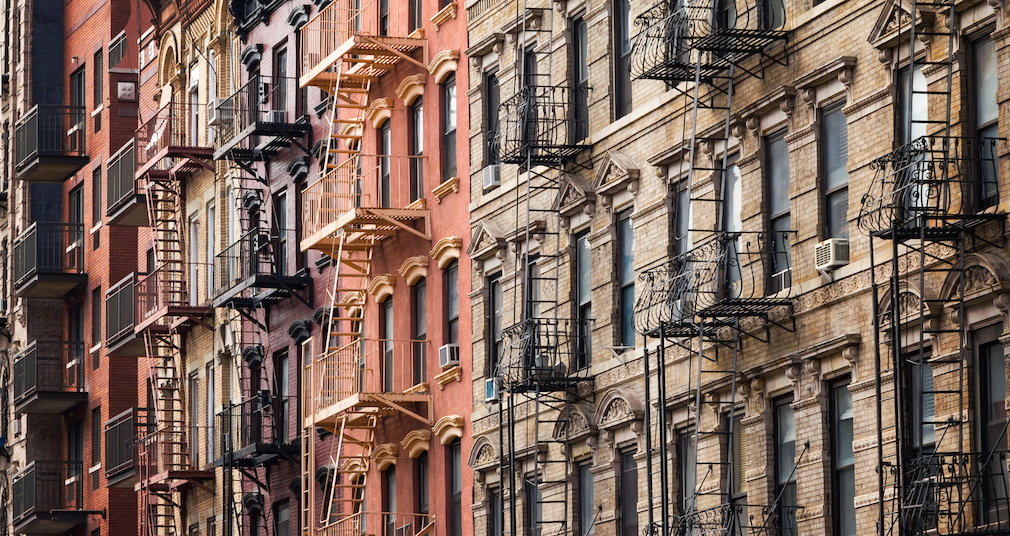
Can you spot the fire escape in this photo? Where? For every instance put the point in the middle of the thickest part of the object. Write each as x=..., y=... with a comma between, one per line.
x=729, y=284
x=933, y=201
x=167, y=151
x=541, y=131
x=353, y=382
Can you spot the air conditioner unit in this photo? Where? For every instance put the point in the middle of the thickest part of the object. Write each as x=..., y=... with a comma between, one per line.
x=448, y=355
x=264, y=92
x=213, y=114
x=831, y=254
x=492, y=177
x=492, y=390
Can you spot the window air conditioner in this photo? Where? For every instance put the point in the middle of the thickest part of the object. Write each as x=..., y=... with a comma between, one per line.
x=491, y=176
x=831, y=254
x=448, y=355
x=492, y=389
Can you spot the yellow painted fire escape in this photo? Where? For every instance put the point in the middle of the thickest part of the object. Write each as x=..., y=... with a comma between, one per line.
x=352, y=383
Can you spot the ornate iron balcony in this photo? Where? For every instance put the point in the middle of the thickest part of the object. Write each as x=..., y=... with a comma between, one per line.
x=544, y=352
x=541, y=125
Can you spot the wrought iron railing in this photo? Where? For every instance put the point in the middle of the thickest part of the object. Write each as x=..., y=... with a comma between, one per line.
x=540, y=124
x=121, y=434
x=263, y=100
x=48, y=248
x=163, y=287
x=48, y=366
x=377, y=523
x=257, y=252
x=738, y=519
x=120, y=178
x=543, y=349
x=120, y=316
x=368, y=366
x=174, y=125
x=48, y=130
x=932, y=181
x=661, y=50
x=45, y=486
x=260, y=419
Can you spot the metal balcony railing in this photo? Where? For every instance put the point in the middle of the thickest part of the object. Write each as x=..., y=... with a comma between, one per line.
x=120, y=316
x=957, y=493
x=370, y=181
x=661, y=50
x=367, y=366
x=738, y=519
x=159, y=289
x=121, y=433
x=261, y=419
x=176, y=126
x=259, y=252
x=541, y=124
x=263, y=102
x=120, y=178
x=48, y=366
x=729, y=275
x=48, y=248
x=48, y=130
x=47, y=486
x=543, y=349
x=932, y=182
x=377, y=523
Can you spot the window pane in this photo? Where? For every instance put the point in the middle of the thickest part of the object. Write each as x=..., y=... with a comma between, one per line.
x=626, y=240
x=777, y=161
x=916, y=107
x=846, y=502
x=683, y=229
x=785, y=443
x=629, y=494
x=836, y=149
x=686, y=468
x=780, y=244
x=733, y=198
x=586, y=507
x=985, y=81
x=583, y=269
x=837, y=213
x=582, y=50
x=843, y=427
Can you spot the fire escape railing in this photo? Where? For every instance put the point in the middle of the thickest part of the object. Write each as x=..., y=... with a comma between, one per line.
x=257, y=252
x=121, y=433
x=48, y=366
x=542, y=123
x=45, y=486
x=544, y=350
x=48, y=248
x=120, y=178
x=48, y=130
x=120, y=304
x=174, y=125
x=261, y=100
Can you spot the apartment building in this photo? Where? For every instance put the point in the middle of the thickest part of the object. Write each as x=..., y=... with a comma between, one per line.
x=737, y=267
x=70, y=100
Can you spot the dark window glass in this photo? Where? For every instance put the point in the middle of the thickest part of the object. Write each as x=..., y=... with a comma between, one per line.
x=96, y=196
x=388, y=336
x=785, y=462
x=416, y=150
x=738, y=482
x=494, y=512
x=986, y=123
x=773, y=14
x=587, y=509
x=77, y=88
x=725, y=16
x=283, y=380
x=843, y=460
x=423, y=497
x=416, y=15
x=420, y=302
x=497, y=309
x=96, y=317
x=992, y=392
x=777, y=177
x=385, y=142
x=96, y=436
x=580, y=62
x=622, y=58
x=279, y=105
x=921, y=402
x=492, y=100
x=455, y=456
x=626, y=277
x=583, y=298
x=99, y=77
x=282, y=519
x=452, y=302
x=533, y=298
x=686, y=473
x=834, y=159
x=383, y=17
x=449, y=128
x=389, y=494
x=912, y=108
x=629, y=493
x=281, y=229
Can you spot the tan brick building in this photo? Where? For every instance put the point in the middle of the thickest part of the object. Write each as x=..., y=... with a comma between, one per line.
x=723, y=144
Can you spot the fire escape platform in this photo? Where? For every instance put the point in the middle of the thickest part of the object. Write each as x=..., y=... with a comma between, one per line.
x=940, y=228
x=259, y=454
x=49, y=285
x=278, y=137
x=365, y=225
x=183, y=316
x=49, y=402
x=51, y=522
x=382, y=404
x=190, y=158
x=174, y=480
x=380, y=52
x=278, y=286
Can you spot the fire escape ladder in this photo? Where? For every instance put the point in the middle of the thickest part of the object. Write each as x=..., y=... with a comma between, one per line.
x=165, y=212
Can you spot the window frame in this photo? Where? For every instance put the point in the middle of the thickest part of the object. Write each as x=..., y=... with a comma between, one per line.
x=385, y=167
x=838, y=471
x=451, y=295
x=787, y=500
x=777, y=236
x=628, y=499
x=828, y=191
x=626, y=286
x=419, y=329
x=586, y=518
x=449, y=127
x=621, y=48
x=980, y=199
x=496, y=314
x=492, y=101
x=417, y=149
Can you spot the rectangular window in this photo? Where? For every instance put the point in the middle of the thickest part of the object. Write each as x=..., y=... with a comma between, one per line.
x=385, y=145
x=682, y=217
x=387, y=345
x=416, y=14
x=283, y=379
x=732, y=222
x=96, y=196
x=580, y=64
x=912, y=106
x=389, y=493
x=992, y=422
x=773, y=14
x=193, y=387
x=785, y=463
x=583, y=298
x=497, y=308
x=626, y=277
x=282, y=519
x=281, y=230
x=96, y=436
x=532, y=309
x=194, y=260
x=622, y=58
x=383, y=17
x=416, y=150
x=986, y=184
x=423, y=497
x=629, y=493
x=77, y=88
x=76, y=208
x=279, y=99
x=843, y=460
x=211, y=252
x=494, y=512
x=420, y=302
x=725, y=15
x=587, y=509
x=921, y=402
x=96, y=317
x=211, y=404
x=834, y=160
x=738, y=471
x=686, y=474
x=777, y=184
x=455, y=488
x=449, y=128
x=99, y=76
x=452, y=303
x=534, y=506
x=194, y=115
x=492, y=100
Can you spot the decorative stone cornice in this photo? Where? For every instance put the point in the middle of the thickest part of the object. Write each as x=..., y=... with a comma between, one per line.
x=444, y=14
x=381, y=287
x=483, y=455
x=450, y=186
x=385, y=455
x=410, y=88
x=448, y=428
x=416, y=442
x=617, y=171
x=575, y=196
x=251, y=56
x=618, y=407
x=414, y=268
x=298, y=168
x=454, y=374
x=493, y=42
x=446, y=250
x=378, y=111
x=299, y=16
x=487, y=240
x=443, y=64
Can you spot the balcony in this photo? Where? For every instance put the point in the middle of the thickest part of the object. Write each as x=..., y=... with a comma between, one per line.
x=49, y=143
x=356, y=198
x=172, y=140
x=353, y=31
x=126, y=203
x=544, y=353
x=738, y=520
x=120, y=320
x=48, y=377
x=48, y=498
x=257, y=262
x=257, y=431
x=377, y=523
x=164, y=300
x=49, y=260
x=541, y=125
x=662, y=48
x=726, y=277
x=387, y=376
x=121, y=433
x=934, y=187
x=257, y=120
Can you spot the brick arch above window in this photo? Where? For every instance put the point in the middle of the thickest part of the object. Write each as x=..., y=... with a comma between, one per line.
x=385, y=456
x=379, y=111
